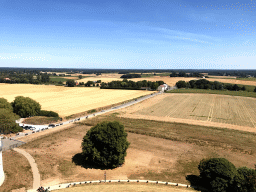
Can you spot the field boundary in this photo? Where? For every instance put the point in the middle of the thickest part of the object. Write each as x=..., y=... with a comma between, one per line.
x=72, y=184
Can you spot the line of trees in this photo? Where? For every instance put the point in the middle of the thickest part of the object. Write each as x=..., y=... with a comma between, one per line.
x=184, y=74
x=220, y=175
x=125, y=84
x=20, y=107
x=129, y=76
x=25, y=78
x=205, y=84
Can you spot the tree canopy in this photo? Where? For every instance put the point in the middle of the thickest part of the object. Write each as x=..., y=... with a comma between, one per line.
x=25, y=106
x=105, y=144
x=217, y=174
x=70, y=83
x=5, y=104
x=7, y=121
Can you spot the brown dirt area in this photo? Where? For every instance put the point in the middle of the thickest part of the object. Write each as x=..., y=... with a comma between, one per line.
x=147, y=158
x=17, y=171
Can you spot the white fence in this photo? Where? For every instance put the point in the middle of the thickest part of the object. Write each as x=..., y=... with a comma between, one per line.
x=67, y=185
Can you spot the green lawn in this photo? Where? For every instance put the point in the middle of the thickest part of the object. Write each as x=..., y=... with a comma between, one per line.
x=224, y=92
x=247, y=79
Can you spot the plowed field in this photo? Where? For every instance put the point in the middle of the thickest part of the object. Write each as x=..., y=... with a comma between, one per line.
x=238, y=111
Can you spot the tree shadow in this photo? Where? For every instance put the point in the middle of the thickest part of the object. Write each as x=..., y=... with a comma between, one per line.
x=196, y=183
x=79, y=159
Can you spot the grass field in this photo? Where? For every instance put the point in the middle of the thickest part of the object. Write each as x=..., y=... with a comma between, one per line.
x=219, y=92
x=214, y=108
x=40, y=120
x=128, y=187
x=247, y=79
x=68, y=100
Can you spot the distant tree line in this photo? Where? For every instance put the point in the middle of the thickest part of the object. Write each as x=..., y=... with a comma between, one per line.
x=205, y=84
x=184, y=74
x=125, y=84
x=20, y=107
x=129, y=76
x=25, y=78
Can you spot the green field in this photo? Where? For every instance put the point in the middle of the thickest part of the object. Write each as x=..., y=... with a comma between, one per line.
x=247, y=79
x=58, y=79
x=224, y=92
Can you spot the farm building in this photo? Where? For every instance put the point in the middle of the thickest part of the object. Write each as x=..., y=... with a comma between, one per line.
x=161, y=88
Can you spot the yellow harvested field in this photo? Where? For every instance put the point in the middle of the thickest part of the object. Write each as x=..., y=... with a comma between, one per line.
x=205, y=109
x=171, y=81
x=103, y=79
x=68, y=100
x=234, y=81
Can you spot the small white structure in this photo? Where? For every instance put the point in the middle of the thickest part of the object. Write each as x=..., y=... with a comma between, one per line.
x=2, y=177
x=160, y=88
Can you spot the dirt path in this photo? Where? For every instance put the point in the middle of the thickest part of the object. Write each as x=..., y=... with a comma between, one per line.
x=35, y=171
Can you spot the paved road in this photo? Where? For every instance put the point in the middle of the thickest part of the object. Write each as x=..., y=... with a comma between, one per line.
x=92, y=115
x=9, y=144
x=35, y=171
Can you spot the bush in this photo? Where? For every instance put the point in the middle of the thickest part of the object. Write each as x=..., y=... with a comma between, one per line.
x=25, y=106
x=48, y=113
x=105, y=145
x=181, y=84
x=7, y=122
x=217, y=174
x=70, y=83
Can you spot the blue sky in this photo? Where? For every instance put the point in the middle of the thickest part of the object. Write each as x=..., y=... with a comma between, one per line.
x=139, y=34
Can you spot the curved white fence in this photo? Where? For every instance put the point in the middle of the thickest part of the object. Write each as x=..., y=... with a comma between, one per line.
x=67, y=185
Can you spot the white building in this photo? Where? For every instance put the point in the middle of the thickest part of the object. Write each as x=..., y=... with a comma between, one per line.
x=160, y=88
x=2, y=177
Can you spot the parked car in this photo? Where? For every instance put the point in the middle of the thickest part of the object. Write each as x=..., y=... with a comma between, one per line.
x=61, y=124
x=26, y=133
x=51, y=125
x=17, y=133
x=33, y=131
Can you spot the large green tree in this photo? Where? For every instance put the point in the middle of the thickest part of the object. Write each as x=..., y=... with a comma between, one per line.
x=7, y=121
x=105, y=144
x=25, y=106
x=217, y=174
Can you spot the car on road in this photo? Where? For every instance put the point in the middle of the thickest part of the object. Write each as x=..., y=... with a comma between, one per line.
x=103, y=111
x=135, y=99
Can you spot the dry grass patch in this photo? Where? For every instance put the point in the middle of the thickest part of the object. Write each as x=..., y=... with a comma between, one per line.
x=68, y=100
x=234, y=81
x=17, y=171
x=40, y=120
x=128, y=187
x=158, y=151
